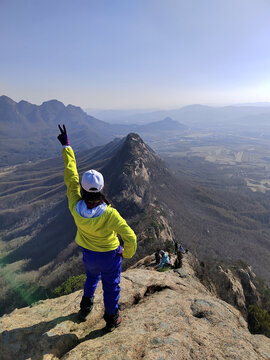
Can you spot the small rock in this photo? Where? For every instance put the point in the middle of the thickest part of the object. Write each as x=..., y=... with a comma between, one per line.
x=181, y=273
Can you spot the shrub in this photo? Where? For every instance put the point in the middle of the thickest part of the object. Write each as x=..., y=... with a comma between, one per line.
x=169, y=246
x=258, y=320
x=239, y=264
x=161, y=226
x=163, y=269
x=72, y=284
x=242, y=264
x=264, y=292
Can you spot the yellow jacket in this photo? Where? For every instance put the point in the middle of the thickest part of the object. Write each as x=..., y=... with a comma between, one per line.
x=99, y=233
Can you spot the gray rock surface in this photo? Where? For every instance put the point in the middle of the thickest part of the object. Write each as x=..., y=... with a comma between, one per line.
x=164, y=316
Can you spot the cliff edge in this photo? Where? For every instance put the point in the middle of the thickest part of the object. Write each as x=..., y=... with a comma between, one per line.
x=168, y=315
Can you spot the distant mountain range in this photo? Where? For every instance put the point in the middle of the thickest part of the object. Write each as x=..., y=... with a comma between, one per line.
x=28, y=132
x=201, y=116
x=146, y=115
x=159, y=127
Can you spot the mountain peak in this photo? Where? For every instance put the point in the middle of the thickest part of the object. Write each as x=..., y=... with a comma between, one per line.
x=167, y=124
x=26, y=108
x=133, y=137
x=134, y=151
x=53, y=104
x=168, y=119
x=135, y=146
x=132, y=172
x=7, y=100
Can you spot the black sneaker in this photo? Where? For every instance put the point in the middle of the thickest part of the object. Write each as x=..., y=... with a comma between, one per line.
x=112, y=321
x=86, y=306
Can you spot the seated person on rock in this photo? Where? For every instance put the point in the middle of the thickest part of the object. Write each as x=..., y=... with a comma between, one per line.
x=165, y=260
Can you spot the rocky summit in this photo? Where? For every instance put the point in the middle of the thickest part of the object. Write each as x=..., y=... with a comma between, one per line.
x=165, y=315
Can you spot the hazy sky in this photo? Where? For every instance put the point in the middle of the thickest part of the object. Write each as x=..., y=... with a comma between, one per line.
x=135, y=53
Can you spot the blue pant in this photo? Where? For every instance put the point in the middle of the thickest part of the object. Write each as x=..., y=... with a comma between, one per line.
x=107, y=266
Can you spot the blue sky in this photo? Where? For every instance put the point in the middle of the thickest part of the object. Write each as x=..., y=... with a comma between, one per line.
x=135, y=53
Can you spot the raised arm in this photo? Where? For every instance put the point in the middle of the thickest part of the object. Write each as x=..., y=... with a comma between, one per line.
x=71, y=176
x=127, y=234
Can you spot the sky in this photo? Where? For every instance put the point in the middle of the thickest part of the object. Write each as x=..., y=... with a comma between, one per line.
x=128, y=54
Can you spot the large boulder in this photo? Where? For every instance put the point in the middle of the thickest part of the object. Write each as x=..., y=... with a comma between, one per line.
x=164, y=316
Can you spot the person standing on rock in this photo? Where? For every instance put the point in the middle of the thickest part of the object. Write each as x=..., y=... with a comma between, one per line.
x=179, y=247
x=157, y=256
x=179, y=260
x=175, y=246
x=98, y=224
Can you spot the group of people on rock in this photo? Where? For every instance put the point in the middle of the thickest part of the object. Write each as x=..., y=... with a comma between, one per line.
x=163, y=260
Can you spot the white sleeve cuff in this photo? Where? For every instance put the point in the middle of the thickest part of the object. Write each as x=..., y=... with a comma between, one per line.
x=66, y=146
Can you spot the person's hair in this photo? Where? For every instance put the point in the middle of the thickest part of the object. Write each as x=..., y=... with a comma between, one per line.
x=94, y=197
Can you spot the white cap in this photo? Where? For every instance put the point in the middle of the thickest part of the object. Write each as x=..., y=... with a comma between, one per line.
x=92, y=181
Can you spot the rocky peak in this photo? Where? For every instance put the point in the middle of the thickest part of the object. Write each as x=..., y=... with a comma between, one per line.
x=133, y=175
x=133, y=171
x=168, y=315
x=135, y=148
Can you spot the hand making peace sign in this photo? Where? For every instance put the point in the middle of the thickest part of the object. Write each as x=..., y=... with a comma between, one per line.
x=63, y=137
